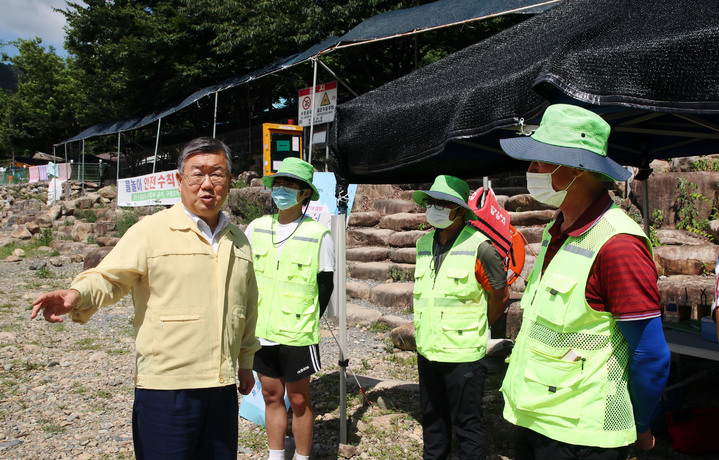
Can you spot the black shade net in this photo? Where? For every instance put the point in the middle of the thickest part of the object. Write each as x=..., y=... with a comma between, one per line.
x=650, y=68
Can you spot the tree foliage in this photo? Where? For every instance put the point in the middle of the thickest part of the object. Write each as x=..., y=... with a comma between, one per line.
x=129, y=57
x=41, y=111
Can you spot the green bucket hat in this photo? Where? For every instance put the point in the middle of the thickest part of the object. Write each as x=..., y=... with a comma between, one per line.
x=447, y=188
x=295, y=168
x=568, y=135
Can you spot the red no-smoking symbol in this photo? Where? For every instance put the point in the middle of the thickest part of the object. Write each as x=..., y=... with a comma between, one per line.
x=306, y=102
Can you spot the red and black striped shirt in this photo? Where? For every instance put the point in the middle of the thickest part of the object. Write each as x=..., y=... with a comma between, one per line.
x=623, y=279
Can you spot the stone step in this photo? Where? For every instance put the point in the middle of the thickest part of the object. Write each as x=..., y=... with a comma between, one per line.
x=393, y=295
x=359, y=315
x=406, y=239
x=404, y=221
x=369, y=237
x=364, y=219
x=381, y=271
x=403, y=255
x=381, y=253
x=394, y=206
x=357, y=290
x=367, y=254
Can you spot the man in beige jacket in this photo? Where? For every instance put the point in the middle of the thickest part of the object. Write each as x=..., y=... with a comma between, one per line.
x=193, y=285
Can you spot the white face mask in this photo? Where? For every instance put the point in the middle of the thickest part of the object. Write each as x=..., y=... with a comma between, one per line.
x=540, y=187
x=438, y=218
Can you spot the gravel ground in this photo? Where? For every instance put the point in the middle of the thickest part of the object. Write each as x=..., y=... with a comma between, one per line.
x=66, y=390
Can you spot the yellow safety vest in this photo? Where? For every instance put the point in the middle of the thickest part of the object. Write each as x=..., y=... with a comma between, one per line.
x=450, y=306
x=288, y=303
x=567, y=376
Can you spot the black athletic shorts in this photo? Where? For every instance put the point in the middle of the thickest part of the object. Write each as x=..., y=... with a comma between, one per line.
x=288, y=362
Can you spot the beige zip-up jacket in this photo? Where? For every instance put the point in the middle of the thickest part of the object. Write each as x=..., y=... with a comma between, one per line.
x=195, y=310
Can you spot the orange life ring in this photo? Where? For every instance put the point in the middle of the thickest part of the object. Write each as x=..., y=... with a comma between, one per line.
x=515, y=258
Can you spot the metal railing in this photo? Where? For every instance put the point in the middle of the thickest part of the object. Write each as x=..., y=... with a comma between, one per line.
x=14, y=175
x=91, y=172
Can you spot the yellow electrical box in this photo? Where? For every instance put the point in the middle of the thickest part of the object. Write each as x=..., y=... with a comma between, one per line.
x=278, y=143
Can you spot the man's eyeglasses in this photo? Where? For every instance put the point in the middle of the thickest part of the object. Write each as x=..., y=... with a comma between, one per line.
x=440, y=205
x=198, y=178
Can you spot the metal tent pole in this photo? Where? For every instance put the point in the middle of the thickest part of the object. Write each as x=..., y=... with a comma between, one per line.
x=645, y=205
x=214, y=120
x=157, y=144
x=67, y=176
x=312, y=119
x=117, y=165
x=117, y=173
x=82, y=168
x=340, y=301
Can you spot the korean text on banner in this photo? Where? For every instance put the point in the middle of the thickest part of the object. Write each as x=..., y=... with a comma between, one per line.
x=151, y=189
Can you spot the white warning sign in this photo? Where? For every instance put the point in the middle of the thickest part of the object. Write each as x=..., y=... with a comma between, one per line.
x=325, y=104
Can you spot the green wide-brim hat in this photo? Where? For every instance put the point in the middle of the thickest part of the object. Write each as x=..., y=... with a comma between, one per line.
x=572, y=136
x=295, y=168
x=447, y=188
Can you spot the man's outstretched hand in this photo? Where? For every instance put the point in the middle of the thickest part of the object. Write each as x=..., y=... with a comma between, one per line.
x=55, y=304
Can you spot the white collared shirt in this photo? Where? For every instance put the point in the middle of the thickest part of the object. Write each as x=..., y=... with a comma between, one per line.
x=206, y=232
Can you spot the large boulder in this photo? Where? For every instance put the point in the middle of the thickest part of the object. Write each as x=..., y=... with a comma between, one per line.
x=21, y=233
x=675, y=237
x=84, y=202
x=686, y=260
x=95, y=256
x=109, y=192
x=81, y=230
x=403, y=337
x=663, y=193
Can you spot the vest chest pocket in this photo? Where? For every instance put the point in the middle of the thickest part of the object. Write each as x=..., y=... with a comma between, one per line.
x=419, y=274
x=260, y=258
x=457, y=283
x=460, y=330
x=300, y=267
x=551, y=386
x=298, y=315
x=553, y=298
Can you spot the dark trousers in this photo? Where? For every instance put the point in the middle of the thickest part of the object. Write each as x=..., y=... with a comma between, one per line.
x=530, y=445
x=451, y=397
x=185, y=424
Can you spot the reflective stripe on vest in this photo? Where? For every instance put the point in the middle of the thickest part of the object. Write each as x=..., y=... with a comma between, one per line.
x=288, y=302
x=567, y=375
x=450, y=306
